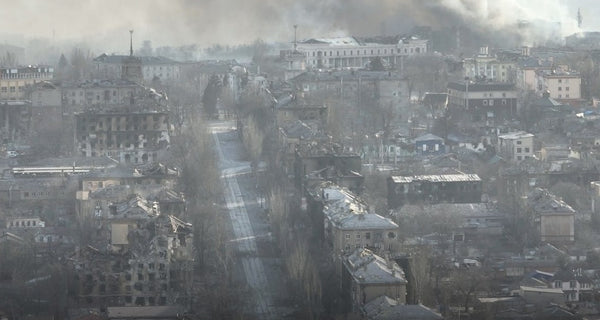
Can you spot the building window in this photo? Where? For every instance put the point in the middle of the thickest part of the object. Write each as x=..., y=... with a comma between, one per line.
x=573, y=284
x=519, y=142
x=485, y=102
x=559, y=80
x=566, y=88
x=559, y=88
x=358, y=236
x=368, y=235
x=527, y=150
x=518, y=150
x=504, y=101
x=347, y=236
x=519, y=158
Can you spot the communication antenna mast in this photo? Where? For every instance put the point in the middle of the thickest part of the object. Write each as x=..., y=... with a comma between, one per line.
x=131, y=42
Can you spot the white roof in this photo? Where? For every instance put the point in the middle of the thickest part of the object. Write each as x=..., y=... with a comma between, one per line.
x=515, y=135
x=339, y=41
x=365, y=221
x=437, y=178
x=367, y=267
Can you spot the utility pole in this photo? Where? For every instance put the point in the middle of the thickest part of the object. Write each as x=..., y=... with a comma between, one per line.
x=295, y=39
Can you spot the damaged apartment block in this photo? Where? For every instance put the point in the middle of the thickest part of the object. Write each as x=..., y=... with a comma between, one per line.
x=136, y=257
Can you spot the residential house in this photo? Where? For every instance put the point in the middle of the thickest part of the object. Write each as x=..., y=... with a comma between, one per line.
x=429, y=144
x=576, y=286
x=453, y=188
x=541, y=297
x=367, y=276
x=515, y=146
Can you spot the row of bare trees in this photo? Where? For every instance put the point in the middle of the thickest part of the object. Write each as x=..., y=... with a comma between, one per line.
x=218, y=294
x=295, y=245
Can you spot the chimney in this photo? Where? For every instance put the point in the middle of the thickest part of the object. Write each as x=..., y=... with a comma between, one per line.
x=525, y=51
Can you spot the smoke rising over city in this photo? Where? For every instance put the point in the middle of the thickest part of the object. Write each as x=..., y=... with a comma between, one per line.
x=102, y=23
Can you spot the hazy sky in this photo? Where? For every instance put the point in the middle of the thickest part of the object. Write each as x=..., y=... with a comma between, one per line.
x=105, y=23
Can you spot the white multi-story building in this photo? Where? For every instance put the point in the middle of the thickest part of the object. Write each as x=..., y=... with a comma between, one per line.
x=562, y=86
x=349, y=52
x=516, y=146
x=487, y=66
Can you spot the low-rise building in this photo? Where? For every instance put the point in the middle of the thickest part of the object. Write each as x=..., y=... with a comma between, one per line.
x=367, y=276
x=576, y=286
x=14, y=81
x=482, y=101
x=386, y=308
x=554, y=219
x=453, y=188
x=516, y=146
x=429, y=144
x=562, y=86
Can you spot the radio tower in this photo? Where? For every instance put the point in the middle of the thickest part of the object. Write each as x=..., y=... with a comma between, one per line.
x=579, y=18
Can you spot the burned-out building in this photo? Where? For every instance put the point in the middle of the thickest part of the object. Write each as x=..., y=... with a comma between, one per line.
x=344, y=166
x=135, y=136
x=139, y=257
x=453, y=188
x=291, y=108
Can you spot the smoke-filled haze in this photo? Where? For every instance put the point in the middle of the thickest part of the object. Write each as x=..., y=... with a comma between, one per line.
x=104, y=23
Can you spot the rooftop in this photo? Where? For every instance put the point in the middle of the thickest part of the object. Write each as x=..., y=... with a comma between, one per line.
x=369, y=268
x=118, y=59
x=515, y=135
x=545, y=203
x=437, y=178
x=481, y=86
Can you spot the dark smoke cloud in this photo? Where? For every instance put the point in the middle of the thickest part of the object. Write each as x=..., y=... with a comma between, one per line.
x=105, y=23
